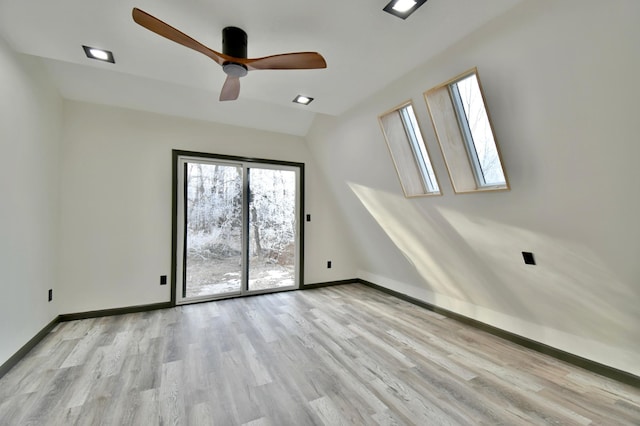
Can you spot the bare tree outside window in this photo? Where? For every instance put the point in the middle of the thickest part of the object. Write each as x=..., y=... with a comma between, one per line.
x=214, y=228
x=477, y=130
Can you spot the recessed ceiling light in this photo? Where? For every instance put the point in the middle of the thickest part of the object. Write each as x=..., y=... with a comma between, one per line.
x=303, y=100
x=98, y=54
x=403, y=8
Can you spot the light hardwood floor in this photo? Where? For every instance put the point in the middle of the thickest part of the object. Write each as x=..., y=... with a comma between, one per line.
x=343, y=355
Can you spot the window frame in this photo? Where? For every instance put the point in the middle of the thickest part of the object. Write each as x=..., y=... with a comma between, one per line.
x=422, y=159
x=460, y=178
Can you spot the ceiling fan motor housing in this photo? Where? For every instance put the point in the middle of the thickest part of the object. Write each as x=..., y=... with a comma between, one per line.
x=234, y=42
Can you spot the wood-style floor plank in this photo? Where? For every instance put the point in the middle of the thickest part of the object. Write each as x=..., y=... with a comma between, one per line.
x=343, y=355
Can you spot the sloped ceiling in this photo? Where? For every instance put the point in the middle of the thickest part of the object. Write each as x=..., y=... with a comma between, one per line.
x=364, y=47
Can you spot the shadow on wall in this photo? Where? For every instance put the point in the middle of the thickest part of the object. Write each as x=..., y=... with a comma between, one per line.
x=479, y=261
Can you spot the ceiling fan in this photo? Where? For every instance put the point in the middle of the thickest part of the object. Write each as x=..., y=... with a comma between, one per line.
x=233, y=58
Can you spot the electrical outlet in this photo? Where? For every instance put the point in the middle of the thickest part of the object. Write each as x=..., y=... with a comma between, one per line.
x=50, y=294
x=528, y=258
x=163, y=280
x=329, y=264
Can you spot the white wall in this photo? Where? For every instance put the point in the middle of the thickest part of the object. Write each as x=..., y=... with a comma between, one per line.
x=116, y=202
x=561, y=83
x=560, y=78
x=29, y=144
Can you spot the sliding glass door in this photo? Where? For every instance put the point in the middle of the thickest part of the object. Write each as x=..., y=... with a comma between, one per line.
x=272, y=228
x=237, y=227
x=213, y=229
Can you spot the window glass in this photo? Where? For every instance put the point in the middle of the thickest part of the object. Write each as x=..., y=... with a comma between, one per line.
x=419, y=150
x=477, y=132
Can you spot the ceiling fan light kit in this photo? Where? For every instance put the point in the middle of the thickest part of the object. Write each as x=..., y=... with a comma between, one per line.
x=234, y=70
x=233, y=58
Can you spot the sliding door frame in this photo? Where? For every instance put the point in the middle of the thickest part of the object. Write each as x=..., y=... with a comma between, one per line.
x=176, y=170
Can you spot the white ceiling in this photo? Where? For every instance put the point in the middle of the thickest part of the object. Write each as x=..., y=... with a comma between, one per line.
x=364, y=47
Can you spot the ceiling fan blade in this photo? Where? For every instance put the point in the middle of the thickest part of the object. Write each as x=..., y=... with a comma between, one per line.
x=230, y=89
x=165, y=30
x=287, y=61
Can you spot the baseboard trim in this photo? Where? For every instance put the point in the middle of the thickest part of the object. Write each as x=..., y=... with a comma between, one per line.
x=8, y=365
x=114, y=311
x=328, y=284
x=587, y=364
x=22, y=352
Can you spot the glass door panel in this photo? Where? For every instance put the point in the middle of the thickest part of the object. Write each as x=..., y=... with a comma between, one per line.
x=237, y=227
x=272, y=229
x=213, y=230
